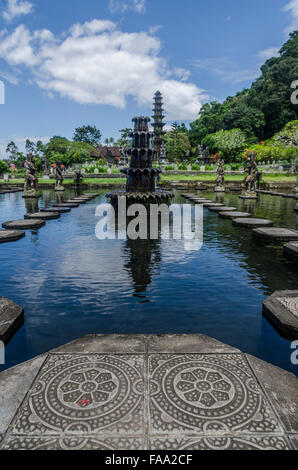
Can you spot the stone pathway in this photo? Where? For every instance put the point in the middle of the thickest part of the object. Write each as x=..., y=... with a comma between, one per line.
x=252, y=222
x=148, y=392
x=276, y=234
x=234, y=214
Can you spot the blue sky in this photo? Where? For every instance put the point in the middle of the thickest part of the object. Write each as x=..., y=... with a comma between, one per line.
x=68, y=63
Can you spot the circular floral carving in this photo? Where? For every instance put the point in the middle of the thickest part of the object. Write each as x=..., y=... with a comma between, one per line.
x=88, y=388
x=203, y=387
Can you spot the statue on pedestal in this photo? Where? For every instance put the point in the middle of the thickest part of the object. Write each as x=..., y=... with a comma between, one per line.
x=59, y=177
x=31, y=179
x=78, y=179
x=200, y=157
x=250, y=181
x=220, y=180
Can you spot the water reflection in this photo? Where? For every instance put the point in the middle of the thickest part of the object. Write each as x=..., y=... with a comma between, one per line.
x=71, y=284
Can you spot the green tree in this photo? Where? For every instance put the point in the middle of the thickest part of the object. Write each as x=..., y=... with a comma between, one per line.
x=12, y=150
x=30, y=146
x=177, y=144
x=229, y=143
x=88, y=135
x=124, y=140
x=3, y=167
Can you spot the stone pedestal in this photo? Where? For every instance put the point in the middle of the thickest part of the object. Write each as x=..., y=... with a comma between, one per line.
x=219, y=189
x=249, y=195
x=31, y=193
x=58, y=187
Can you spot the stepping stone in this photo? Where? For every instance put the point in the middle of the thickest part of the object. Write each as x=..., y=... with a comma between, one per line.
x=222, y=209
x=276, y=234
x=60, y=210
x=252, y=222
x=67, y=204
x=234, y=214
x=209, y=203
x=291, y=249
x=281, y=308
x=43, y=215
x=10, y=235
x=80, y=201
x=24, y=224
x=215, y=204
x=11, y=318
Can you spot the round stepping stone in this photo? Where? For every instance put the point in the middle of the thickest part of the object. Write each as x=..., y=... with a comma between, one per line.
x=234, y=214
x=212, y=204
x=65, y=204
x=60, y=210
x=80, y=201
x=276, y=234
x=43, y=215
x=10, y=235
x=222, y=209
x=281, y=308
x=252, y=222
x=291, y=249
x=24, y=224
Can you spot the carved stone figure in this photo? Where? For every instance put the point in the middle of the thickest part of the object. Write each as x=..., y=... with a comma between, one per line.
x=250, y=181
x=59, y=177
x=78, y=179
x=31, y=179
x=220, y=180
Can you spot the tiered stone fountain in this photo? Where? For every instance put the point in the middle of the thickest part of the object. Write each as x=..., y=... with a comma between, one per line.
x=141, y=177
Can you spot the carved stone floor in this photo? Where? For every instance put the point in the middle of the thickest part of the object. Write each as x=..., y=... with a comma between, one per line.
x=147, y=392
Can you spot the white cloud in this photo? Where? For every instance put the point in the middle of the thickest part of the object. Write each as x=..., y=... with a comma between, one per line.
x=268, y=53
x=96, y=63
x=181, y=73
x=227, y=70
x=123, y=5
x=16, y=8
x=292, y=8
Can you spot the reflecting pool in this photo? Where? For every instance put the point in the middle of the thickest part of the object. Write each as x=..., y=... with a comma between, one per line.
x=72, y=284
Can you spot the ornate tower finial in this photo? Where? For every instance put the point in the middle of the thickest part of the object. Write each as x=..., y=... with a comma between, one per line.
x=158, y=123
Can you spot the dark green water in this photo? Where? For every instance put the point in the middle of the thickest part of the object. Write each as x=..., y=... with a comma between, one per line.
x=71, y=284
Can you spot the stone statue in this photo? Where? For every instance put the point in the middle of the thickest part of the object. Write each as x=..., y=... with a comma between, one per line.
x=31, y=179
x=200, y=157
x=206, y=154
x=220, y=180
x=163, y=154
x=78, y=179
x=45, y=164
x=59, y=177
x=250, y=181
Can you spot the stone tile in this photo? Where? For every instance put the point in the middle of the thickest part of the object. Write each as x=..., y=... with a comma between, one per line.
x=85, y=394
x=73, y=443
x=281, y=388
x=11, y=317
x=187, y=344
x=106, y=344
x=207, y=393
x=294, y=441
x=282, y=309
x=220, y=443
x=14, y=384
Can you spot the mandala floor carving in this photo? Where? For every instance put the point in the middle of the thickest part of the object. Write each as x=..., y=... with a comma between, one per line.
x=148, y=392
